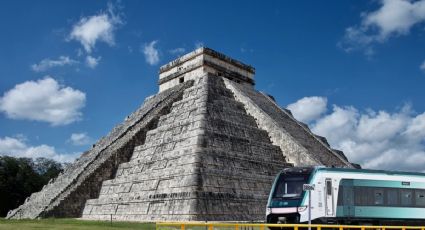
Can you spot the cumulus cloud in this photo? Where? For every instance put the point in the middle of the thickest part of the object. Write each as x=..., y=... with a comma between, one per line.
x=381, y=126
x=79, y=139
x=43, y=100
x=393, y=18
x=177, y=51
x=92, y=62
x=340, y=123
x=151, y=53
x=101, y=27
x=308, y=108
x=18, y=147
x=415, y=130
x=47, y=63
x=375, y=139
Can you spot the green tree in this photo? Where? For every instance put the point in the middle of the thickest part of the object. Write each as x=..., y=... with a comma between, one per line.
x=47, y=168
x=20, y=177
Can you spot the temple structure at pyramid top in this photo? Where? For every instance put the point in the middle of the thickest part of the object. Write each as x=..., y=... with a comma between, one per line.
x=207, y=146
x=201, y=61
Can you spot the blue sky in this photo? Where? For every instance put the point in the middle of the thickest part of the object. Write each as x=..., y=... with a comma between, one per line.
x=353, y=70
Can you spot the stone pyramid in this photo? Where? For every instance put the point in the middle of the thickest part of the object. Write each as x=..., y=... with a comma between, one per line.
x=206, y=147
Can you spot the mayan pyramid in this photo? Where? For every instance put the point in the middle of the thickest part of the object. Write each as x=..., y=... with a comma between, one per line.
x=206, y=147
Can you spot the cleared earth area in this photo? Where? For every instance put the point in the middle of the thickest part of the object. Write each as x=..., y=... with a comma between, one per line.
x=65, y=224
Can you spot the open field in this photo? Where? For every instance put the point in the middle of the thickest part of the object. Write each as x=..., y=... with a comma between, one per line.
x=74, y=224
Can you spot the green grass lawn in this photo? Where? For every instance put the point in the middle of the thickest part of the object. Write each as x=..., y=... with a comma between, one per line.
x=68, y=224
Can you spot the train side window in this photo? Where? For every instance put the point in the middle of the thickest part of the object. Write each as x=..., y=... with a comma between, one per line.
x=341, y=196
x=379, y=197
x=329, y=187
x=392, y=197
x=406, y=198
x=348, y=196
x=361, y=196
x=420, y=198
x=357, y=196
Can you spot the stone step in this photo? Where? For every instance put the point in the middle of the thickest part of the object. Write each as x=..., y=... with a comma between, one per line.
x=218, y=125
x=177, y=128
x=211, y=181
x=186, y=176
x=212, y=110
x=273, y=155
x=207, y=159
x=131, y=195
x=210, y=138
x=236, y=129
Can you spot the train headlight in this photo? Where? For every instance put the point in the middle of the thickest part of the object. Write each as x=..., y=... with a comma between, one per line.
x=302, y=208
x=268, y=211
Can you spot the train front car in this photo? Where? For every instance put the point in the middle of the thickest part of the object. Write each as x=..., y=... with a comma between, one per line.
x=348, y=196
x=287, y=195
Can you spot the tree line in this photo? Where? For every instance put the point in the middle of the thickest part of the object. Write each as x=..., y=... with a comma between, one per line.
x=20, y=177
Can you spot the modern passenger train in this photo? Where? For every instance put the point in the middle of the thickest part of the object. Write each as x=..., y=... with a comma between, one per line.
x=347, y=196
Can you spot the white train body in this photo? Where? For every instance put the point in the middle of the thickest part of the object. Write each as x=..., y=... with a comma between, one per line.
x=347, y=196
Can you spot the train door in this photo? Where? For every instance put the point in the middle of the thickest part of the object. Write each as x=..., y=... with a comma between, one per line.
x=329, y=201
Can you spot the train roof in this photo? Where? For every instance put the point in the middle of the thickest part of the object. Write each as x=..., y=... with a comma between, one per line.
x=368, y=171
x=303, y=170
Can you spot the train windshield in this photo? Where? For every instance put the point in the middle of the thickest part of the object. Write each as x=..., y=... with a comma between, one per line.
x=290, y=186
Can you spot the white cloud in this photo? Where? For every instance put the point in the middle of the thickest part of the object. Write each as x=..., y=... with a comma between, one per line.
x=375, y=139
x=47, y=63
x=416, y=128
x=151, y=53
x=422, y=66
x=308, y=108
x=340, y=123
x=95, y=28
x=11, y=145
x=393, y=18
x=381, y=126
x=92, y=62
x=176, y=51
x=79, y=139
x=199, y=44
x=43, y=100
x=19, y=148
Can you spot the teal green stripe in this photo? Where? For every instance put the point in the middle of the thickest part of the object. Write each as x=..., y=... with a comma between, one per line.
x=389, y=212
x=387, y=184
x=380, y=212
